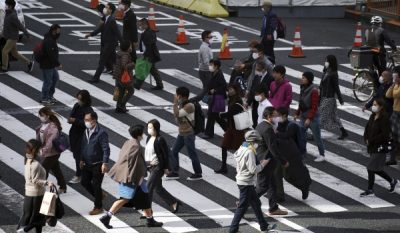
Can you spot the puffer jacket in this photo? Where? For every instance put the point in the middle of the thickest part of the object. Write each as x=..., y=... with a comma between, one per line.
x=122, y=63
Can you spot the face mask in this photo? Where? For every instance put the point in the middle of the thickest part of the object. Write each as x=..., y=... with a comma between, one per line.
x=262, y=9
x=210, y=41
x=258, y=73
x=381, y=80
x=100, y=14
x=326, y=65
x=375, y=109
x=257, y=98
x=150, y=132
x=105, y=11
x=88, y=125
x=281, y=120
x=276, y=120
x=255, y=146
x=121, y=7
x=57, y=35
x=43, y=119
x=211, y=68
x=255, y=56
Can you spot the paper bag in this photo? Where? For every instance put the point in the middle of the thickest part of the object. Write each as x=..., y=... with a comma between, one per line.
x=48, y=206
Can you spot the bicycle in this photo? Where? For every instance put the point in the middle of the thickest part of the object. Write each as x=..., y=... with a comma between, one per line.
x=365, y=81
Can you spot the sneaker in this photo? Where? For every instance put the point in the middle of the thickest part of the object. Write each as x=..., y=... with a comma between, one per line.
x=21, y=230
x=105, y=219
x=278, y=212
x=367, y=193
x=2, y=71
x=270, y=228
x=96, y=211
x=320, y=159
x=393, y=186
x=153, y=223
x=75, y=180
x=47, y=102
x=173, y=176
x=30, y=66
x=53, y=100
x=195, y=177
x=157, y=88
x=304, y=194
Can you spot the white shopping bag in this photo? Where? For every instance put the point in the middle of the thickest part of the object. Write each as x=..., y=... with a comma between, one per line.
x=48, y=206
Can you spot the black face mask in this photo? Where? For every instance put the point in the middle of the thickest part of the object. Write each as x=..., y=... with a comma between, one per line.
x=56, y=36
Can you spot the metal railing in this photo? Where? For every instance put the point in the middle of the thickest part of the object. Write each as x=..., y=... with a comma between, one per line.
x=391, y=7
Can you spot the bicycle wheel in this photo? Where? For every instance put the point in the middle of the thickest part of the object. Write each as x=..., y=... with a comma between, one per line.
x=363, y=86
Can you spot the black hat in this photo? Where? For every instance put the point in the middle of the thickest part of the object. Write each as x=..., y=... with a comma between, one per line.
x=309, y=76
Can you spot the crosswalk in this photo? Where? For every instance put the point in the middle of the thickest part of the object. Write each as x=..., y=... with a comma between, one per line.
x=336, y=186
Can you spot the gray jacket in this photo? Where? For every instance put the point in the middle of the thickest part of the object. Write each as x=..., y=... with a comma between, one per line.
x=204, y=57
x=246, y=165
x=250, y=80
x=12, y=26
x=268, y=147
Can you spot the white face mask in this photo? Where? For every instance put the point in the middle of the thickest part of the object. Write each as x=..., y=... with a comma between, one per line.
x=105, y=11
x=257, y=98
x=381, y=80
x=150, y=132
x=211, y=68
x=258, y=73
x=255, y=56
x=326, y=65
x=375, y=109
x=276, y=120
x=88, y=125
x=255, y=146
x=121, y=7
x=43, y=119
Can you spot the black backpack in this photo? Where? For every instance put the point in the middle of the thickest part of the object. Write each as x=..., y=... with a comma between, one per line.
x=281, y=29
x=199, y=118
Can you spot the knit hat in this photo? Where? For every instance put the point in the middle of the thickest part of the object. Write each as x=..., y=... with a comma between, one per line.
x=267, y=2
x=252, y=136
x=309, y=76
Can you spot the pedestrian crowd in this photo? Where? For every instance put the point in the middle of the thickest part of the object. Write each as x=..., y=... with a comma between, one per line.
x=253, y=110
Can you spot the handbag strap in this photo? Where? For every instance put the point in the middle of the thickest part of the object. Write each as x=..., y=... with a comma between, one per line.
x=244, y=109
x=276, y=90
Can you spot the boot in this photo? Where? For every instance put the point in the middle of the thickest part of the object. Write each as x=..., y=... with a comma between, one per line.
x=105, y=219
x=344, y=134
x=153, y=223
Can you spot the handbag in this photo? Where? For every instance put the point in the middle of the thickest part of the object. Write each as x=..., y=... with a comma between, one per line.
x=243, y=120
x=142, y=68
x=386, y=147
x=48, y=206
x=125, y=78
x=61, y=142
x=116, y=94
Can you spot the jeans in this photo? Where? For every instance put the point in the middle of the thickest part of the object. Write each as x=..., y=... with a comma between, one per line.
x=91, y=180
x=154, y=183
x=125, y=93
x=266, y=184
x=189, y=142
x=205, y=77
x=316, y=131
x=50, y=79
x=248, y=196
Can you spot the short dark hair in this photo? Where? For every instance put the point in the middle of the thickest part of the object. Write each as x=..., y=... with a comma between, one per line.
x=126, y=2
x=332, y=62
x=54, y=27
x=112, y=7
x=93, y=115
x=86, y=98
x=216, y=62
x=262, y=90
x=136, y=130
x=279, y=69
x=268, y=112
x=156, y=126
x=261, y=64
x=183, y=91
x=100, y=8
x=124, y=46
x=204, y=34
x=283, y=111
x=11, y=3
x=259, y=47
x=145, y=21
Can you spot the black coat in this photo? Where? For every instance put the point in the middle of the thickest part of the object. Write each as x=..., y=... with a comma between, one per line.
x=78, y=127
x=162, y=151
x=381, y=94
x=329, y=86
x=377, y=132
x=129, y=28
x=149, y=39
x=50, y=52
x=110, y=33
x=218, y=83
x=268, y=147
x=258, y=83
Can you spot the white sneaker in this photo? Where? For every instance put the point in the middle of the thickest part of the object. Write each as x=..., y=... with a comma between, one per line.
x=75, y=180
x=320, y=159
x=21, y=230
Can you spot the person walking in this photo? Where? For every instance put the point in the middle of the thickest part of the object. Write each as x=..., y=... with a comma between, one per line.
x=233, y=138
x=245, y=67
x=247, y=169
x=124, y=64
x=268, y=29
x=110, y=35
x=49, y=63
x=148, y=45
x=385, y=82
x=46, y=132
x=95, y=156
x=11, y=28
x=216, y=99
x=261, y=97
x=280, y=91
x=184, y=112
x=109, y=62
x=35, y=183
x=329, y=87
x=129, y=27
x=268, y=149
x=308, y=112
x=129, y=171
x=82, y=107
x=156, y=155
x=376, y=136
x=394, y=93
x=204, y=57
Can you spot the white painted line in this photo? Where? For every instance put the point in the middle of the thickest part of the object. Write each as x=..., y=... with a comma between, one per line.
x=68, y=50
x=13, y=201
x=347, y=66
x=47, y=21
x=342, y=76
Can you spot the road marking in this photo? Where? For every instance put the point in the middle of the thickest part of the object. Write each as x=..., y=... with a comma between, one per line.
x=68, y=50
x=59, y=16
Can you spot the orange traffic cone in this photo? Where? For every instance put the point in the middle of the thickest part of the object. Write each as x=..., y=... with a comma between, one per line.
x=181, y=34
x=152, y=18
x=225, y=52
x=119, y=15
x=94, y=4
x=297, y=51
x=358, y=38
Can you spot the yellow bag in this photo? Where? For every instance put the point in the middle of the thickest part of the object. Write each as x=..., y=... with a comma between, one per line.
x=116, y=94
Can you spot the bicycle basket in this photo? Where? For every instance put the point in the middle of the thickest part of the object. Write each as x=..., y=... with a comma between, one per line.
x=361, y=58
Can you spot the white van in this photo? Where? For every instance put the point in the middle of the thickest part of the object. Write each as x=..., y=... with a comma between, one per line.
x=20, y=15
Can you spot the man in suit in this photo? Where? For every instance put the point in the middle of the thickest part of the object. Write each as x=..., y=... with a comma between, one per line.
x=110, y=35
x=129, y=28
x=148, y=45
x=268, y=149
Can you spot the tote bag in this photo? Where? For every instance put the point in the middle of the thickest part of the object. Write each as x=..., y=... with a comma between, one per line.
x=142, y=68
x=48, y=206
x=243, y=120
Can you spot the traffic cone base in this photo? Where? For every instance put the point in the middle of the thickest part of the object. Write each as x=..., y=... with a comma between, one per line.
x=181, y=34
x=297, y=51
x=94, y=4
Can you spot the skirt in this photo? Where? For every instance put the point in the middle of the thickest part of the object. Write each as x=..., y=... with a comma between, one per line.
x=127, y=191
x=377, y=162
x=141, y=199
x=329, y=118
x=31, y=215
x=395, y=123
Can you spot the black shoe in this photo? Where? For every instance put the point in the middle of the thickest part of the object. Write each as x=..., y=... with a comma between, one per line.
x=221, y=170
x=121, y=110
x=367, y=193
x=206, y=136
x=173, y=176
x=105, y=219
x=3, y=71
x=344, y=134
x=157, y=88
x=153, y=223
x=304, y=194
x=178, y=204
x=393, y=186
x=280, y=200
x=30, y=66
x=94, y=80
x=195, y=177
x=390, y=163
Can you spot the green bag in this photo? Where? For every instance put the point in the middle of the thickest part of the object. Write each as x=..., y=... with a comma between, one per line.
x=142, y=68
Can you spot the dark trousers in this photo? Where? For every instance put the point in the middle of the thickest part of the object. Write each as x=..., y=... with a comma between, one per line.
x=278, y=176
x=254, y=113
x=269, y=48
x=107, y=56
x=52, y=164
x=205, y=77
x=266, y=184
x=77, y=158
x=31, y=218
x=156, y=75
x=211, y=119
x=380, y=62
x=248, y=196
x=371, y=177
x=133, y=53
x=125, y=93
x=154, y=183
x=91, y=181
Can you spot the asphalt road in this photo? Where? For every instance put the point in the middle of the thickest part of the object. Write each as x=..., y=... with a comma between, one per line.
x=334, y=204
